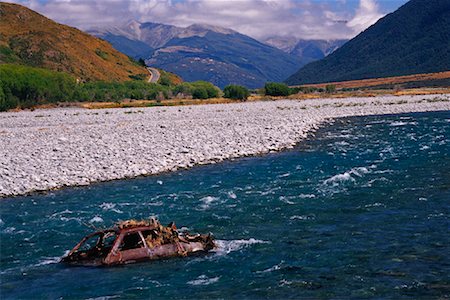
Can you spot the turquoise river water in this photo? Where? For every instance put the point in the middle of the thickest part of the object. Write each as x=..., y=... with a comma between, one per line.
x=360, y=210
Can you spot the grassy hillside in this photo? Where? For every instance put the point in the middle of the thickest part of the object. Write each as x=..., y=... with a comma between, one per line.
x=414, y=39
x=29, y=38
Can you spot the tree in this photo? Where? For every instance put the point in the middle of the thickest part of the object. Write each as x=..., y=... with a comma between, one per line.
x=276, y=89
x=330, y=88
x=236, y=92
x=141, y=61
x=199, y=93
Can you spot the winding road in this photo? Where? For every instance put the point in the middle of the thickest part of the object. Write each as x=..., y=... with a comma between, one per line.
x=154, y=75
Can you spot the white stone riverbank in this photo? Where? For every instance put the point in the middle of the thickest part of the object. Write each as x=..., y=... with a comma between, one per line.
x=49, y=149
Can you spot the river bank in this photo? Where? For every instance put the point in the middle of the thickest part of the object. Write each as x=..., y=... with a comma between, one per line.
x=49, y=149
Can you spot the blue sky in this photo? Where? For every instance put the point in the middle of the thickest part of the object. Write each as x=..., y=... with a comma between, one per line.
x=309, y=19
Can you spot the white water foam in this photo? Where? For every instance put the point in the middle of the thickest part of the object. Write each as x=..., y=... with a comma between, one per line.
x=400, y=123
x=110, y=206
x=207, y=201
x=49, y=261
x=9, y=230
x=232, y=195
x=347, y=176
x=225, y=247
x=96, y=219
x=302, y=217
x=285, y=200
x=204, y=280
x=271, y=269
x=307, y=196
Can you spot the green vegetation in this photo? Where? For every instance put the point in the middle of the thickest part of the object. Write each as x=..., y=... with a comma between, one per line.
x=24, y=87
x=330, y=88
x=102, y=54
x=197, y=89
x=276, y=89
x=138, y=76
x=236, y=92
x=7, y=55
x=117, y=91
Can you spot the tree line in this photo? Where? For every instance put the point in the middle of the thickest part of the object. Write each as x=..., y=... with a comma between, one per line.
x=25, y=87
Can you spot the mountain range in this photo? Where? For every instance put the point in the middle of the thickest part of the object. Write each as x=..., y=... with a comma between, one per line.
x=414, y=39
x=29, y=38
x=306, y=50
x=203, y=52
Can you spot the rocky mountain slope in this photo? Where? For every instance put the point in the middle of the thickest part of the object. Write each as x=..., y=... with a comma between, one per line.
x=306, y=50
x=414, y=39
x=29, y=38
x=203, y=52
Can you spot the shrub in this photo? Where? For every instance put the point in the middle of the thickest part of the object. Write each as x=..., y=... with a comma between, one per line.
x=184, y=88
x=236, y=92
x=330, y=88
x=211, y=90
x=199, y=93
x=26, y=86
x=276, y=89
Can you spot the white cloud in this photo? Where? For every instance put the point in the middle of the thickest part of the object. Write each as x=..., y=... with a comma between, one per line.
x=258, y=18
x=367, y=14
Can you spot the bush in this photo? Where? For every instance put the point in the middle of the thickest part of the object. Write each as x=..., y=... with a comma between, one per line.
x=200, y=87
x=26, y=86
x=115, y=91
x=276, y=89
x=199, y=93
x=236, y=92
x=330, y=88
x=184, y=88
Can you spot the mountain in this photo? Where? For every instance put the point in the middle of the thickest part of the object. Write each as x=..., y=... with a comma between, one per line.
x=29, y=38
x=306, y=50
x=204, y=52
x=414, y=39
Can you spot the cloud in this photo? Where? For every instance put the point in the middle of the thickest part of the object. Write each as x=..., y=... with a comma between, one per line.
x=367, y=14
x=258, y=18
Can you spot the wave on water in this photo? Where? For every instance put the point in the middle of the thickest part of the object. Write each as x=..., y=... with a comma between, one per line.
x=302, y=217
x=225, y=247
x=49, y=260
x=57, y=214
x=111, y=207
x=401, y=123
x=207, y=201
x=96, y=219
x=307, y=196
x=231, y=195
x=285, y=200
x=271, y=269
x=9, y=230
x=203, y=280
x=347, y=176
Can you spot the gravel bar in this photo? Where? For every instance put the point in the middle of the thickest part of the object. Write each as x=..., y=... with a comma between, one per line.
x=50, y=149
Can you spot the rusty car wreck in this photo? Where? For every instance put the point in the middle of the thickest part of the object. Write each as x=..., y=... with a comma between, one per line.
x=133, y=241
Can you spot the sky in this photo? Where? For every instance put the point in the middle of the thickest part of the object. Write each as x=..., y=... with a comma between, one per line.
x=307, y=19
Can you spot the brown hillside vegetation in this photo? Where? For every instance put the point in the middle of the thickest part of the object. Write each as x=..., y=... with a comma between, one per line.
x=388, y=81
x=29, y=38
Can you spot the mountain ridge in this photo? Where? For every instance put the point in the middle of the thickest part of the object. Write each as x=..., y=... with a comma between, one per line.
x=29, y=38
x=212, y=53
x=412, y=40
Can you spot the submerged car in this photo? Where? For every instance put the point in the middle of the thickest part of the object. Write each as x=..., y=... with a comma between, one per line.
x=133, y=241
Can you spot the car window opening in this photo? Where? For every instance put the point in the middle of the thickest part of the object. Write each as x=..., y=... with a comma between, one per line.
x=131, y=241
